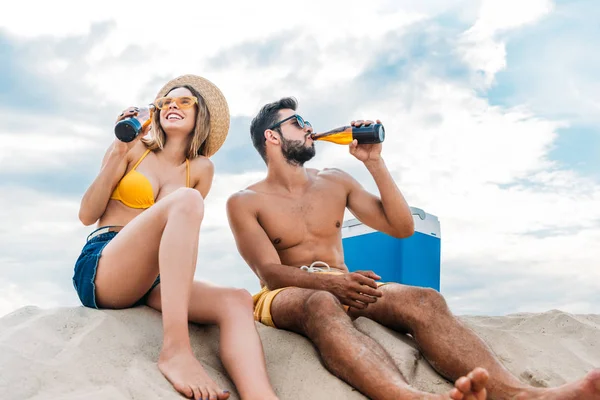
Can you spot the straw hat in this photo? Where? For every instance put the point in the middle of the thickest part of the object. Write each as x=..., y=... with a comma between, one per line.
x=216, y=103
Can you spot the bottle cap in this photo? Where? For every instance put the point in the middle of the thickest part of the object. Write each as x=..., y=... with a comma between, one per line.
x=127, y=129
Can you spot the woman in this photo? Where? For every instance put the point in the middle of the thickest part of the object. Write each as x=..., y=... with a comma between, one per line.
x=148, y=200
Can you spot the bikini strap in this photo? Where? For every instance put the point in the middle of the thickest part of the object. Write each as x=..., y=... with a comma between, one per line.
x=141, y=158
x=187, y=173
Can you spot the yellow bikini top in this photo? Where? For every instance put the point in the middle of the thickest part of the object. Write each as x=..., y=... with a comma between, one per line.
x=135, y=190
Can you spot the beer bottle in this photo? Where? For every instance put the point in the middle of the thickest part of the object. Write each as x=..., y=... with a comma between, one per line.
x=129, y=128
x=370, y=134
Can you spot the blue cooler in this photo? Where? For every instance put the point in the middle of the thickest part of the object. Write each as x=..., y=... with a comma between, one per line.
x=412, y=261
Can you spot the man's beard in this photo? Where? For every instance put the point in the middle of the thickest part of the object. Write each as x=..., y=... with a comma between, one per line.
x=295, y=152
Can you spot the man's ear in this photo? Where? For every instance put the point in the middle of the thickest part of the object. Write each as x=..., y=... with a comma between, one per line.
x=272, y=136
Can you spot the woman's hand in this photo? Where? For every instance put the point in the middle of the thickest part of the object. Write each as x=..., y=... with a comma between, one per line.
x=123, y=147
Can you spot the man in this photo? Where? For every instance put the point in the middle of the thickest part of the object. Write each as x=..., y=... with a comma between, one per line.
x=292, y=219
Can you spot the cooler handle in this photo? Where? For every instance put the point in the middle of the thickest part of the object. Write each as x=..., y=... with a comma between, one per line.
x=417, y=211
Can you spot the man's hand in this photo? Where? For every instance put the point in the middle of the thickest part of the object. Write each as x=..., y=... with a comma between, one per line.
x=356, y=289
x=365, y=152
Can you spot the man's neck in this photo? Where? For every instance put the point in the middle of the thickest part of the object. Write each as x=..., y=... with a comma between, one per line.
x=291, y=178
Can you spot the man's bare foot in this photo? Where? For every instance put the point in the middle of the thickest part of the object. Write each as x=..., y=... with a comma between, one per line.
x=471, y=387
x=187, y=376
x=587, y=388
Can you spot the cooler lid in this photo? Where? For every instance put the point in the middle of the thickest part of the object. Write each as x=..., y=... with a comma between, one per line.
x=425, y=223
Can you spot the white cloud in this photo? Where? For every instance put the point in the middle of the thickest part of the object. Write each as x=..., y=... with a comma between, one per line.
x=553, y=65
x=481, y=46
x=40, y=237
x=46, y=295
x=497, y=16
x=182, y=45
x=58, y=145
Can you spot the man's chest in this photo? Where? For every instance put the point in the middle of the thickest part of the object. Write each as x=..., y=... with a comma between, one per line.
x=289, y=221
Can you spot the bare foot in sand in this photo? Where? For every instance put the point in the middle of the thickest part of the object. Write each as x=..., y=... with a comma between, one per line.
x=187, y=376
x=470, y=387
x=587, y=388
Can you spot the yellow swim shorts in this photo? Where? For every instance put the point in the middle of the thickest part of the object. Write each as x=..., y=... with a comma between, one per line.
x=264, y=299
x=262, y=305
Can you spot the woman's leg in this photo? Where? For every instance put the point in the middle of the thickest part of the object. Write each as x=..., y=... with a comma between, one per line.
x=240, y=346
x=162, y=239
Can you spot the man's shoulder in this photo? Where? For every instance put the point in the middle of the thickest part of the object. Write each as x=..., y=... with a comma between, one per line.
x=330, y=171
x=334, y=174
x=245, y=198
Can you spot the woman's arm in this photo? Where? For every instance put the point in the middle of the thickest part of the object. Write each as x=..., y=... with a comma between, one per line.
x=204, y=171
x=96, y=198
x=114, y=165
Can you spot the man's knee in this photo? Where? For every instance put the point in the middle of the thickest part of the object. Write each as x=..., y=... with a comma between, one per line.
x=432, y=299
x=425, y=302
x=321, y=301
x=321, y=309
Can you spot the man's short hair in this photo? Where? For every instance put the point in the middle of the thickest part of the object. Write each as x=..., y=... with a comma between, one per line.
x=266, y=117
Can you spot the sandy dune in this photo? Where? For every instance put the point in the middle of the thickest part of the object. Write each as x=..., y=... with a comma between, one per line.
x=79, y=353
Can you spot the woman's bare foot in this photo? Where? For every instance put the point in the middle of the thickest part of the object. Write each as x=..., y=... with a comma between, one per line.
x=587, y=388
x=187, y=376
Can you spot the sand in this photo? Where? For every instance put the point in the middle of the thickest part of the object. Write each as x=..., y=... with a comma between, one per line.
x=80, y=353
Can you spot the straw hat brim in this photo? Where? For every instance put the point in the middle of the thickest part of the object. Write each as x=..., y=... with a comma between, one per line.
x=216, y=103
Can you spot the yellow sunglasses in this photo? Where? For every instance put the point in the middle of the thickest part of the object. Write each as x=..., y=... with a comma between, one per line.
x=163, y=103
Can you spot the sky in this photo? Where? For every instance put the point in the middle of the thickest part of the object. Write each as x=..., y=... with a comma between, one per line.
x=491, y=111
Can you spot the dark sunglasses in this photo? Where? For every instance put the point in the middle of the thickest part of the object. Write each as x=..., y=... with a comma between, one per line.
x=299, y=120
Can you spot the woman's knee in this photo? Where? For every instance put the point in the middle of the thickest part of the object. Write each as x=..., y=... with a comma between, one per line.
x=237, y=300
x=187, y=201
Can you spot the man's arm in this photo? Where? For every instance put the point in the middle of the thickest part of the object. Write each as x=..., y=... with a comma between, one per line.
x=355, y=289
x=390, y=213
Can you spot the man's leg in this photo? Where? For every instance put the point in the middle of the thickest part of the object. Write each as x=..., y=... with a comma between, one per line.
x=453, y=349
x=351, y=355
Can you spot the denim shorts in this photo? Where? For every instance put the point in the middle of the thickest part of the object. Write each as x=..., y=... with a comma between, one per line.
x=86, y=266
